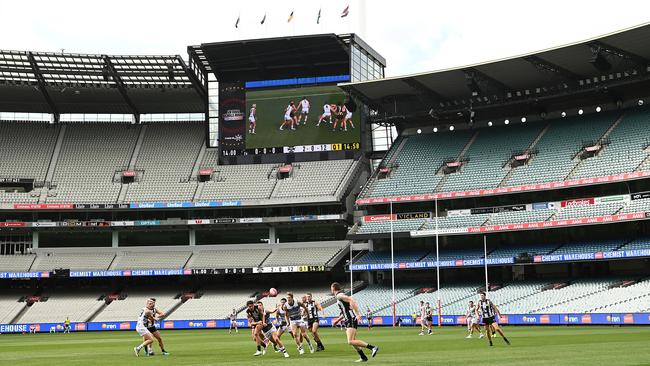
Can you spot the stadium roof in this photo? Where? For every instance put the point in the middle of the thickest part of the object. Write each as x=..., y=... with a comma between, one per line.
x=279, y=58
x=599, y=63
x=77, y=83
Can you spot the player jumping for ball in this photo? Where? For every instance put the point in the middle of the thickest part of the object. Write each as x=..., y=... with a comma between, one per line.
x=352, y=316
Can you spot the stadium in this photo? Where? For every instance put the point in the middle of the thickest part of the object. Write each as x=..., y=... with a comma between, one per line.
x=170, y=177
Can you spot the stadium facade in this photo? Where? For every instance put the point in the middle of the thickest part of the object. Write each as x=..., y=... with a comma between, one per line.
x=125, y=177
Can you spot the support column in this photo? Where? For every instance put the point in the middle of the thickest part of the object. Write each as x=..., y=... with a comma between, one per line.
x=192, y=237
x=272, y=238
x=115, y=239
x=35, y=240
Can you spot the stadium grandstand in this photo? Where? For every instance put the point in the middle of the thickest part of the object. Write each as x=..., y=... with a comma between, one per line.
x=527, y=177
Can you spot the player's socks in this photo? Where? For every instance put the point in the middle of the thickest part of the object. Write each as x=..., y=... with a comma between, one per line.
x=507, y=341
x=320, y=345
x=362, y=355
x=259, y=348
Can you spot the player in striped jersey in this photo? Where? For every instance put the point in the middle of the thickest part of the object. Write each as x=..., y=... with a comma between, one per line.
x=146, y=327
x=259, y=320
x=313, y=318
x=489, y=312
x=352, y=316
x=293, y=317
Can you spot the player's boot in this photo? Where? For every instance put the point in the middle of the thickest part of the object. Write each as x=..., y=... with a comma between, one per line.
x=469, y=336
x=257, y=353
x=301, y=350
x=136, y=350
x=421, y=333
x=375, y=350
x=362, y=360
x=482, y=335
x=165, y=353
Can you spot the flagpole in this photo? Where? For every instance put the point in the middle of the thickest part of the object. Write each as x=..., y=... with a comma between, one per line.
x=438, y=265
x=350, y=267
x=392, y=259
x=487, y=289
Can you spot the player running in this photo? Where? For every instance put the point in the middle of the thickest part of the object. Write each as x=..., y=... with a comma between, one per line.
x=327, y=114
x=293, y=316
x=423, y=317
x=304, y=110
x=472, y=320
x=280, y=315
x=352, y=316
x=289, y=117
x=258, y=319
x=233, y=322
x=313, y=318
x=428, y=310
x=252, y=119
x=489, y=311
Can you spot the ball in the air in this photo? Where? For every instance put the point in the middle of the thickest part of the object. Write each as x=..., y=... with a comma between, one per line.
x=273, y=291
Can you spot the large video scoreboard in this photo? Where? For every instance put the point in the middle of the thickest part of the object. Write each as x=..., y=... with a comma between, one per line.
x=258, y=120
x=278, y=99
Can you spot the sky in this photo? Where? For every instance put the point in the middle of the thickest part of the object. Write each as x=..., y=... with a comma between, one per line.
x=414, y=36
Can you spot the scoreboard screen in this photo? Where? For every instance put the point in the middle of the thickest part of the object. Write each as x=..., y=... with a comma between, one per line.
x=287, y=120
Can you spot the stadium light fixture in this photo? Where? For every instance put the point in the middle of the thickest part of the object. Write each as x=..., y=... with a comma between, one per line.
x=490, y=123
x=435, y=129
x=507, y=122
x=563, y=114
x=419, y=131
x=640, y=102
x=580, y=111
x=523, y=119
x=598, y=109
x=451, y=128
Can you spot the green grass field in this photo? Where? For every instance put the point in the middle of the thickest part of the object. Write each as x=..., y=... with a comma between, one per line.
x=530, y=346
x=271, y=105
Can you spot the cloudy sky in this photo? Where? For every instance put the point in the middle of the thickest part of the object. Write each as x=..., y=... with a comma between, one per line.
x=413, y=35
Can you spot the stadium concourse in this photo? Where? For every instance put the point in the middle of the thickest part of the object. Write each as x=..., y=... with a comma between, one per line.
x=129, y=178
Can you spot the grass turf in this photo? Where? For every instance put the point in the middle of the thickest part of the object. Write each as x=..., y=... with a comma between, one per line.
x=589, y=345
x=271, y=105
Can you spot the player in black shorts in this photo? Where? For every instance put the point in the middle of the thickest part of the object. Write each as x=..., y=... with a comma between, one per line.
x=352, y=316
x=151, y=327
x=429, y=318
x=313, y=318
x=260, y=321
x=489, y=312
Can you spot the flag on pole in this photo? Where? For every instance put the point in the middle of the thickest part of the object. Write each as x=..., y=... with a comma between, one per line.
x=290, y=17
x=318, y=18
x=263, y=19
x=237, y=22
x=345, y=12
